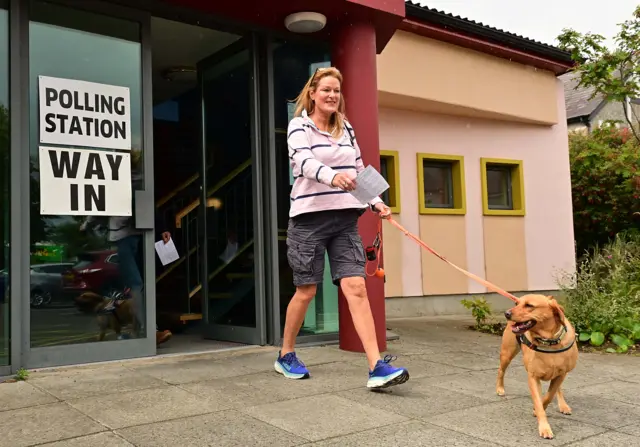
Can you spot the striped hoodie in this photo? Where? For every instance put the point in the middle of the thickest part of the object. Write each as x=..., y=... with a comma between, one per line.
x=316, y=158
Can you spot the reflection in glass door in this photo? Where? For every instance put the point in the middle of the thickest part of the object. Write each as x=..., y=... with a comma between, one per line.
x=230, y=296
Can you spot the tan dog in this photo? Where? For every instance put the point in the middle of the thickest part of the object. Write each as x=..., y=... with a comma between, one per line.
x=550, y=352
x=121, y=316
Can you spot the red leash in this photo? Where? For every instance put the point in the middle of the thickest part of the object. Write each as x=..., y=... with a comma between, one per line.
x=476, y=278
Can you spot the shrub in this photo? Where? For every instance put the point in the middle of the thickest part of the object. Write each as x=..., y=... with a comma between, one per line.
x=604, y=168
x=602, y=299
x=480, y=309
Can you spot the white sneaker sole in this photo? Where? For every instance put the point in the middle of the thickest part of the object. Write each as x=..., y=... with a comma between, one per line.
x=289, y=375
x=397, y=378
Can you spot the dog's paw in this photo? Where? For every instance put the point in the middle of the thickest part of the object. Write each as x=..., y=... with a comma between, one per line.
x=565, y=409
x=500, y=391
x=545, y=431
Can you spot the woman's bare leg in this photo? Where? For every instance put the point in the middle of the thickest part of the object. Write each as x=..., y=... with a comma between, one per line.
x=355, y=292
x=296, y=311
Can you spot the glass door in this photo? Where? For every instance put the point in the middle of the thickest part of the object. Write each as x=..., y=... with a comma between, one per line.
x=233, y=297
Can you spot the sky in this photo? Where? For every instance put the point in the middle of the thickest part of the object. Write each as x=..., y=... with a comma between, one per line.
x=542, y=20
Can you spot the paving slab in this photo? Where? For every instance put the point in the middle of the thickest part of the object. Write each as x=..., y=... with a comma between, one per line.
x=44, y=423
x=627, y=392
x=466, y=360
x=416, y=399
x=406, y=346
x=106, y=439
x=75, y=384
x=14, y=395
x=318, y=355
x=511, y=422
x=586, y=374
x=230, y=428
x=236, y=398
x=420, y=366
x=143, y=406
x=633, y=430
x=197, y=369
x=606, y=413
x=326, y=378
x=412, y=433
x=225, y=394
x=482, y=384
x=611, y=366
x=320, y=417
x=609, y=439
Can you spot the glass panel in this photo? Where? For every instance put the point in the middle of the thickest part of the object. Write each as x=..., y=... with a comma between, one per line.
x=499, y=187
x=4, y=184
x=226, y=90
x=71, y=301
x=438, y=185
x=293, y=64
x=384, y=171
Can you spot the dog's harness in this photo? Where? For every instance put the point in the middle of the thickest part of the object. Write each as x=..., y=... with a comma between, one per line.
x=523, y=340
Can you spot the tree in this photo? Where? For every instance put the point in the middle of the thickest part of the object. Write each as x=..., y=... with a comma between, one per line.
x=614, y=72
x=604, y=166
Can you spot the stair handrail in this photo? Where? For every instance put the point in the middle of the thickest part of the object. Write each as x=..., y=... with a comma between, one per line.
x=196, y=202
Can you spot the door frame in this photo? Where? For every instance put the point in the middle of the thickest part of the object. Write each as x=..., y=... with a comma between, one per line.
x=22, y=354
x=256, y=336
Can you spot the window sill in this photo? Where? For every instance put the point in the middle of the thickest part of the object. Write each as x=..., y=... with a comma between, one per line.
x=444, y=211
x=488, y=212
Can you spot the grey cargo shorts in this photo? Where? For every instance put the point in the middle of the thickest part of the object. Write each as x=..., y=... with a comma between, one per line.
x=336, y=232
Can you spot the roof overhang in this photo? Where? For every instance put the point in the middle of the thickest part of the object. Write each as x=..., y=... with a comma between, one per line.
x=385, y=15
x=468, y=34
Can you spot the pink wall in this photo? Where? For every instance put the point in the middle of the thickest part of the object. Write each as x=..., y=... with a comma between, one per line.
x=544, y=150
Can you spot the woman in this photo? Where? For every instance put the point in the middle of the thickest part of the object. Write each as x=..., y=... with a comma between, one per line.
x=325, y=159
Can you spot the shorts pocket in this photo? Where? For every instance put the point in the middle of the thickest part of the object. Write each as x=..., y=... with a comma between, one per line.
x=301, y=257
x=357, y=249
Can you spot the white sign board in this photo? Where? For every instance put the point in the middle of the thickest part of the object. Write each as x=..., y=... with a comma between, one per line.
x=83, y=182
x=80, y=113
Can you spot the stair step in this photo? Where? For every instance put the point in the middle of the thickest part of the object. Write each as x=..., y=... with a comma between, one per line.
x=220, y=295
x=231, y=276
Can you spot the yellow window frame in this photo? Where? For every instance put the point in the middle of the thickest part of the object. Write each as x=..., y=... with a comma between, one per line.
x=458, y=184
x=517, y=186
x=393, y=172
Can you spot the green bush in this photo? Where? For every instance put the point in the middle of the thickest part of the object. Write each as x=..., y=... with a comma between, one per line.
x=604, y=169
x=602, y=299
x=480, y=309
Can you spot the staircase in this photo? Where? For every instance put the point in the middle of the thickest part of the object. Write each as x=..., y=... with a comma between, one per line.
x=229, y=239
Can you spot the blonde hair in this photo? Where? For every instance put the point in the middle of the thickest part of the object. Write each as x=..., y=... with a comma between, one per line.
x=304, y=102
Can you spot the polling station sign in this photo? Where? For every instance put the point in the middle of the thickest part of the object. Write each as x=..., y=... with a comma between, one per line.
x=81, y=113
x=84, y=182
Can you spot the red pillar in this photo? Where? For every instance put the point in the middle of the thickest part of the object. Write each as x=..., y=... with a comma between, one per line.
x=354, y=54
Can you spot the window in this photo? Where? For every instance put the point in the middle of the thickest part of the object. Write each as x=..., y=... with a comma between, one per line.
x=390, y=170
x=83, y=46
x=4, y=184
x=502, y=187
x=441, y=187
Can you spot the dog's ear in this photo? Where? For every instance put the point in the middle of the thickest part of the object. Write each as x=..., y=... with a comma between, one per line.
x=557, y=309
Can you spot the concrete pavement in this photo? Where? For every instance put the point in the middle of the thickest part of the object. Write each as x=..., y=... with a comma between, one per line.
x=234, y=398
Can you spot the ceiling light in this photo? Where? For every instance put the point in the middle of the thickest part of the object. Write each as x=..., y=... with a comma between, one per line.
x=180, y=74
x=305, y=22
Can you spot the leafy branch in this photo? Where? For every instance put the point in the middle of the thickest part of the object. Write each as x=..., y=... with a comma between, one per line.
x=613, y=73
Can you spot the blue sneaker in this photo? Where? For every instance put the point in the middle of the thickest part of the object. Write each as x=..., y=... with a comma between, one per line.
x=384, y=375
x=291, y=367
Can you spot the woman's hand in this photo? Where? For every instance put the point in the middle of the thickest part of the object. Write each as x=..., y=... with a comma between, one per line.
x=343, y=182
x=166, y=236
x=384, y=210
